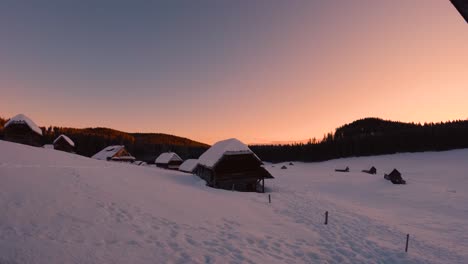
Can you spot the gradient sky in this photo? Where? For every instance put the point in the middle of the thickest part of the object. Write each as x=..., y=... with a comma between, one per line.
x=260, y=71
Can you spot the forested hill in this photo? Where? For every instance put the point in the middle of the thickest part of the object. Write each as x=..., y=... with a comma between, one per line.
x=364, y=137
x=144, y=146
x=372, y=136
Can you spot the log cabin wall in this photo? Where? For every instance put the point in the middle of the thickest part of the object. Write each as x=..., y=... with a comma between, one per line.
x=233, y=172
x=23, y=134
x=63, y=145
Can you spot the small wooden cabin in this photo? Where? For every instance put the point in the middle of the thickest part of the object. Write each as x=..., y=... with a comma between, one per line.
x=372, y=170
x=231, y=165
x=21, y=129
x=189, y=165
x=114, y=153
x=64, y=143
x=395, y=177
x=168, y=160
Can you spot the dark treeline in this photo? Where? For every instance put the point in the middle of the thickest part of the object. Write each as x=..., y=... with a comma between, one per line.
x=372, y=136
x=144, y=146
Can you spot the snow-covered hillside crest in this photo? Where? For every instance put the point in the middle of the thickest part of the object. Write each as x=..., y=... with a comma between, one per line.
x=58, y=207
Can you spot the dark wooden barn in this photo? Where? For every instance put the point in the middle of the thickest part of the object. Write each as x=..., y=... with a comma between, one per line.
x=168, y=160
x=21, y=129
x=395, y=177
x=372, y=170
x=64, y=143
x=231, y=165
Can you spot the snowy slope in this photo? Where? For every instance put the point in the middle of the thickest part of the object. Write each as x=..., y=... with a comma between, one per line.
x=58, y=207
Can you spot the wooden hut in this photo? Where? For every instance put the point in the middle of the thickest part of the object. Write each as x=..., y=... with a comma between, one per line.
x=395, y=177
x=21, y=129
x=189, y=165
x=372, y=170
x=114, y=153
x=168, y=160
x=231, y=165
x=64, y=143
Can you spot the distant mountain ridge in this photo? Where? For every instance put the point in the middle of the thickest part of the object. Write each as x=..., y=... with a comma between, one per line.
x=144, y=146
x=372, y=136
x=363, y=137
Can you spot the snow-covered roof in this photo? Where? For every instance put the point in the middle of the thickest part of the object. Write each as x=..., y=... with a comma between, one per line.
x=230, y=146
x=22, y=119
x=166, y=157
x=188, y=165
x=109, y=152
x=66, y=139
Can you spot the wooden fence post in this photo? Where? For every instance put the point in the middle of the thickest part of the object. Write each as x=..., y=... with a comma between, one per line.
x=407, y=240
x=269, y=198
x=326, y=217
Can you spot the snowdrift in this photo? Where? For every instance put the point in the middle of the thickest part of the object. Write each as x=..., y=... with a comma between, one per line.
x=58, y=207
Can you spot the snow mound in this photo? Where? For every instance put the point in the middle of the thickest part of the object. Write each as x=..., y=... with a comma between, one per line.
x=188, y=165
x=66, y=139
x=230, y=146
x=22, y=119
x=166, y=157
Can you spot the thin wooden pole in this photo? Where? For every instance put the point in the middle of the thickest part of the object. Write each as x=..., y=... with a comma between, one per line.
x=263, y=185
x=269, y=198
x=326, y=217
x=407, y=240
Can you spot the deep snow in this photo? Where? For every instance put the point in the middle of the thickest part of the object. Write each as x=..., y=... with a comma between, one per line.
x=58, y=207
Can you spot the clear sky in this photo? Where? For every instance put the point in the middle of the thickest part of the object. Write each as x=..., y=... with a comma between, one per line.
x=258, y=70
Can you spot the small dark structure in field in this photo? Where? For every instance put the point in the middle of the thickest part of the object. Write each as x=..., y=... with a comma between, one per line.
x=284, y=167
x=395, y=177
x=168, y=160
x=372, y=170
x=21, y=129
x=189, y=165
x=114, y=153
x=462, y=7
x=139, y=163
x=64, y=143
x=341, y=170
x=291, y=164
x=231, y=165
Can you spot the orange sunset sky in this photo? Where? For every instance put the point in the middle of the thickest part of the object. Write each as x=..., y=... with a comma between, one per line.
x=260, y=71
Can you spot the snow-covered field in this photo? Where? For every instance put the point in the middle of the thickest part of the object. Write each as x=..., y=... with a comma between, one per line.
x=57, y=207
